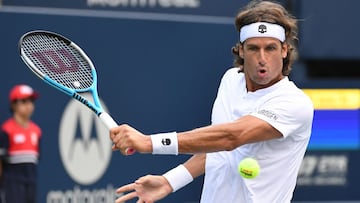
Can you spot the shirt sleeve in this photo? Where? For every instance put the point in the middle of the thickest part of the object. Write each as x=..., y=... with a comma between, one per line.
x=289, y=114
x=220, y=110
x=4, y=144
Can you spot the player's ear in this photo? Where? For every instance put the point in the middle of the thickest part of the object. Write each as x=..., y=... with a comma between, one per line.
x=284, y=50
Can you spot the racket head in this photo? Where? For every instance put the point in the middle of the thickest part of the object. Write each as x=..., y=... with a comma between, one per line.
x=65, y=66
x=53, y=57
x=62, y=64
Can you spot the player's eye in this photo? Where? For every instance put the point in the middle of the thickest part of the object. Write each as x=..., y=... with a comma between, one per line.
x=253, y=48
x=271, y=48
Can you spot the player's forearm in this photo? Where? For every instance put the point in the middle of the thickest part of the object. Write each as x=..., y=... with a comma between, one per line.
x=196, y=165
x=206, y=139
x=201, y=140
x=227, y=136
x=185, y=173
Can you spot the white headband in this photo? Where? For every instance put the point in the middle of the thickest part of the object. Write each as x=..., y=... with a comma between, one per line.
x=262, y=29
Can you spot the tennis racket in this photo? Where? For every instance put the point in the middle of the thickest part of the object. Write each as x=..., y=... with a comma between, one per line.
x=63, y=65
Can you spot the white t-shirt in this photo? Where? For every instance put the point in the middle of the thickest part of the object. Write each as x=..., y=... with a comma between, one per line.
x=286, y=108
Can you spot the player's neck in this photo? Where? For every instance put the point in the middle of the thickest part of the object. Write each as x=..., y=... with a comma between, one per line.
x=252, y=86
x=21, y=120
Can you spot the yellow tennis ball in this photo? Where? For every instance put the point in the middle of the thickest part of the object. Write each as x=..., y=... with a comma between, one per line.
x=249, y=168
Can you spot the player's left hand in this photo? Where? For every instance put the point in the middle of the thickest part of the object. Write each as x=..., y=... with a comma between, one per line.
x=148, y=189
x=126, y=137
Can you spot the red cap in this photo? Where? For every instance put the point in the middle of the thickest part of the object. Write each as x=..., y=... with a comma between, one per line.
x=22, y=92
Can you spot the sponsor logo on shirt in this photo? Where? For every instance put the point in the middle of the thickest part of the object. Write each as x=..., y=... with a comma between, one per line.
x=19, y=138
x=268, y=114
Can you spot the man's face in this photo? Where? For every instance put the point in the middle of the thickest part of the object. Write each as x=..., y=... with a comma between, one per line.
x=263, y=61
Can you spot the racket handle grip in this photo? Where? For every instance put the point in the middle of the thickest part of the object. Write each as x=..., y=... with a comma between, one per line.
x=107, y=120
x=110, y=123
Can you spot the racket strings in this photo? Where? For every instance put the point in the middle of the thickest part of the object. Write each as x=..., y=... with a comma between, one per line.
x=58, y=61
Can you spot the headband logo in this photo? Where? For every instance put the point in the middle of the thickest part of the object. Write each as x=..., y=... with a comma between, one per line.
x=262, y=28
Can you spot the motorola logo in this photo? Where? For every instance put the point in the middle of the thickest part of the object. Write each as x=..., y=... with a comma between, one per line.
x=84, y=144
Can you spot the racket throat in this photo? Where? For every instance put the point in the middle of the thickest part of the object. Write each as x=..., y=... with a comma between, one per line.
x=85, y=102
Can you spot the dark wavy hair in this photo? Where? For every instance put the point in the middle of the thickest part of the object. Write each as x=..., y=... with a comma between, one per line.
x=270, y=12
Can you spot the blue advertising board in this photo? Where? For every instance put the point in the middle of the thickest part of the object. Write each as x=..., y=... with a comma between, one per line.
x=154, y=75
x=194, y=7
x=329, y=176
x=336, y=124
x=329, y=171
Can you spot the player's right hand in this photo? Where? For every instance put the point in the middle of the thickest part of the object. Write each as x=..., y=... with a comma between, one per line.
x=126, y=137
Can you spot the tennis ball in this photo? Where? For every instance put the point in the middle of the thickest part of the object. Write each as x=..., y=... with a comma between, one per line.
x=249, y=168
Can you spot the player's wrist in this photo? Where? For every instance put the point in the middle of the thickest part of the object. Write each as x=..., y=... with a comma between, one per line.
x=178, y=177
x=164, y=143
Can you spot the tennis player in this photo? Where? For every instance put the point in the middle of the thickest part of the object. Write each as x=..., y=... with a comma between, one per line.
x=258, y=113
